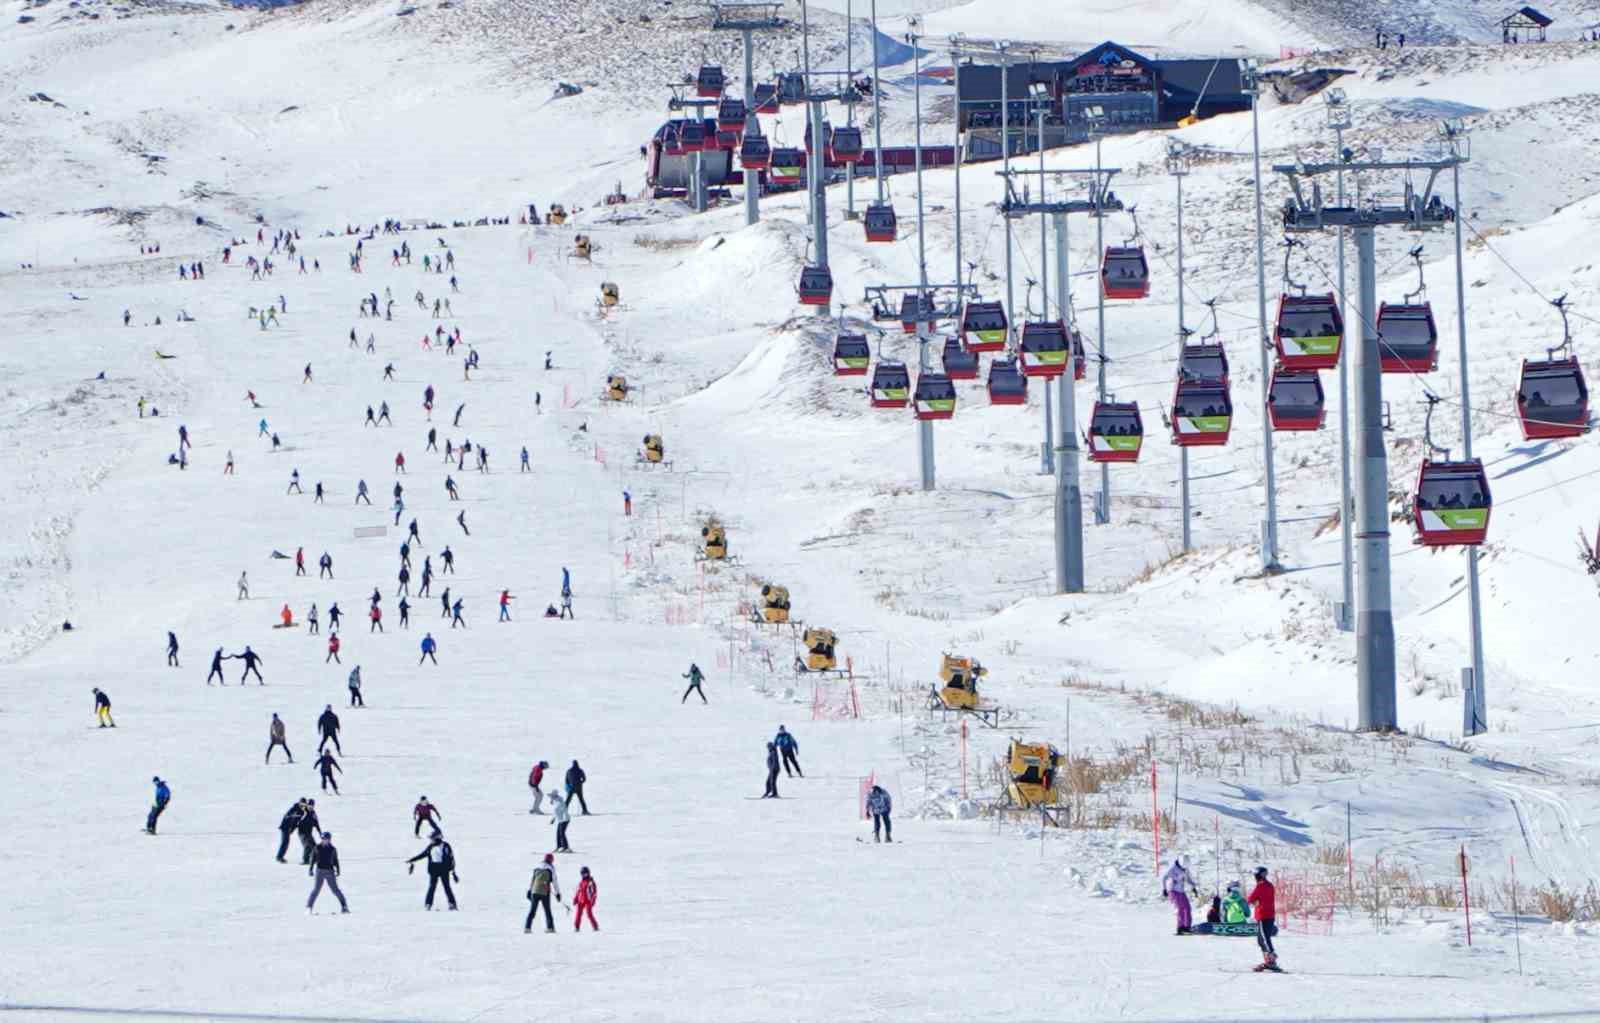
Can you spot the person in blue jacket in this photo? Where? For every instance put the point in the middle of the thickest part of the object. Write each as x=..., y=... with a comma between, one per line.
x=428, y=647
x=790, y=749
x=566, y=583
x=163, y=797
x=879, y=804
x=172, y=650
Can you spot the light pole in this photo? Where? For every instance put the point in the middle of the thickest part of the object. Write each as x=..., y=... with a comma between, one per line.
x=924, y=301
x=1269, y=529
x=1177, y=167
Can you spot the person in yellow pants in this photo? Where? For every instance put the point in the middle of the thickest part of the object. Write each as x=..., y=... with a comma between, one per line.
x=102, y=709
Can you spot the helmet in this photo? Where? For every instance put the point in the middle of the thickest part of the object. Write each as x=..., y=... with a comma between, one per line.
x=584, y=871
x=1233, y=886
x=1261, y=873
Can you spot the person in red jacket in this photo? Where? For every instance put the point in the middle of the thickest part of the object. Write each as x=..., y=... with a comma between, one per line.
x=584, y=901
x=535, y=782
x=333, y=650
x=376, y=614
x=1264, y=897
x=425, y=811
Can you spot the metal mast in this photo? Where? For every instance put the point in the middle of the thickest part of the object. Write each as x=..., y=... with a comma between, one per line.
x=1339, y=120
x=1269, y=529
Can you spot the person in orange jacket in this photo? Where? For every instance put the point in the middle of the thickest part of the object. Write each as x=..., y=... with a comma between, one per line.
x=287, y=616
x=584, y=901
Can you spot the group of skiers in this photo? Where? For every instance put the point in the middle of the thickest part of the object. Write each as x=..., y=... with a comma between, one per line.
x=1177, y=885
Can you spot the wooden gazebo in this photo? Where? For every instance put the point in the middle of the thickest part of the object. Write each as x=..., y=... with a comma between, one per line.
x=1524, y=25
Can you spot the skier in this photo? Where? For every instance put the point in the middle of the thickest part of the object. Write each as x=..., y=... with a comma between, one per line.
x=560, y=816
x=450, y=488
x=405, y=614
x=461, y=520
x=1173, y=884
x=879, y=805
x=540, y=887
x=102, y=708
x=425, y=811
x=216, y=667
x=444, y=601
x=325, y=867
x=294, y=483
x=433, y=440
x=695, y=677
x=333, y=649
x=361, y=492
x=299, y=561
x=627, y=503
x=318, y=498
x=376, y=614
x=441, y=868
x=535, y=781
x=163, y=797
x=287, y=825
x=399, y=462
x=250, y=659
x=455, y=614
x=275, y=738
x=505, y=605
x=325, y=567
x=244, y=586
x=327, y=765
x=308, y=823
x=525, y=467
x=575, y=781
x=372, y=419
x=459, y=409
x=172, y=650
x=311, y=621
x=428, y=647
x=449, y=558
x=333, y=615
x=588, y=893
x=355, y=687
x=790, y=749
x=1264, y=897
x=772, y=773
x=328, y=728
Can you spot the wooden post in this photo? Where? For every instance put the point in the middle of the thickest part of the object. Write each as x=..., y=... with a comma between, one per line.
x=1155, y=815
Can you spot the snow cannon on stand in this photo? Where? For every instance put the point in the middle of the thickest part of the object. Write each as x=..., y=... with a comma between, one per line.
x=959, y=692
x=610, y=295
x=557, y=214
x=715, y=541
x=819, y=656
x=616, y=388
x=1032, y=768
x=582, y=248
x=654, y=451
x=774, y=608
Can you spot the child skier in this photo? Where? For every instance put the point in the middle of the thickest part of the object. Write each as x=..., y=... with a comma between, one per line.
x=1172, y=888
x=584, y=900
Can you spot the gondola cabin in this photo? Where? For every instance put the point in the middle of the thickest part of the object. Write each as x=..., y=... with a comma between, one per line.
x=851, y=356
x=934, y=397
x=731, y=114
x=755, y=153
x=959, y=363
x=725, y=139
x=844, y=145
x=816, y=286
x=692, y=136
x=1006, y=384
x=708, y=84
x=983, y=326
x=1124, y=273
x=1116, y=432
x=617, y=387
x=715, y=540
x=1310, y=332
x=819, y=644
x=1451, y=504
x=1552, y=399
x=672, y=141
x=915, y=309
x=1408, y=340
x=766, y=98
x=791, y=88
x=1295, y=400
x=1044, y=348
x=654, y=449
x=879, y=222
x=786, y=167
x=1204, y=362
x=891, y=385
x=774, y=604
x=1202, y=414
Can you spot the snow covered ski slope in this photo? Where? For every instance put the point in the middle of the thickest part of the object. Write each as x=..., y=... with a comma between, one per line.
x=1232, y=689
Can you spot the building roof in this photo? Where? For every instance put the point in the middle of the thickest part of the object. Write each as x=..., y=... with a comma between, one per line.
x=1529, y=16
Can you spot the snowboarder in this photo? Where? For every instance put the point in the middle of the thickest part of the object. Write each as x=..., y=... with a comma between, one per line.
x=1264, y=897
x=879, y=805
x=428, y=647
x=560, y=816
x=287, y=826
x=1173, y=884
x=250, y=659
x=583, y=902
x=1234, y=909
x=325, y=867
x=327, y=765
x=540, y=887
x=328, y=728
x=790, y=749
x=275, y=738
x=575, y=781
x=163, y=797
x=441, y=868
x=102, y=708
x=355, y=687
x=172, y=650
x=695, y=677
x=772, y=773
x=536, y=782
x=216, y=667
x=425, y=811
